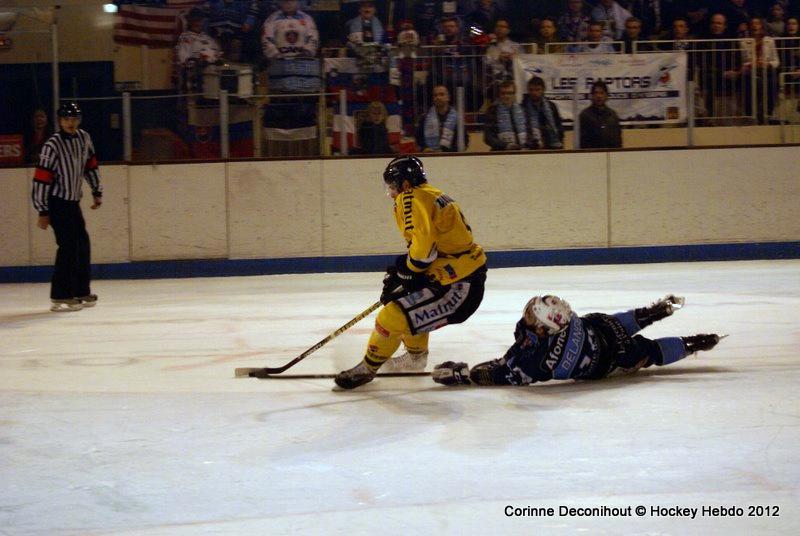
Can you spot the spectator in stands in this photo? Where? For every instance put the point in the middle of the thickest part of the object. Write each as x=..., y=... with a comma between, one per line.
x=790, y=46
x=599, y=124
x=437, y=130
x=545, y=130
x=452, y=64
x=365, y=29
x=760, y=62
x=229, y=21
x=289, y=33
x=506, y=127
x=776, y=22
x=547, y=37
x=36, y=134
x=719, y=68
x=596, y=42
x=500, y=54
x=613, y=17
x=573, y=25
x=426, y=15
x=679, y=35
x=194, y=45
x=632, y=34
x=482, y=20
x=373, y=137
x=737, y=12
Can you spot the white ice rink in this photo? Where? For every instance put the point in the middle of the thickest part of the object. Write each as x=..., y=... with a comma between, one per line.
x=127, y=419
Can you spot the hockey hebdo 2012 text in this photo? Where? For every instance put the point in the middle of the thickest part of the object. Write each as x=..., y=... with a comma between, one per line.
x=690, y=512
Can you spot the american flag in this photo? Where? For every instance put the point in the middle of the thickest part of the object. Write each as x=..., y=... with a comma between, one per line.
x=155, y=23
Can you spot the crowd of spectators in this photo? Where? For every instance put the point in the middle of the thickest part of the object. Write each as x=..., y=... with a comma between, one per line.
x=495, y=31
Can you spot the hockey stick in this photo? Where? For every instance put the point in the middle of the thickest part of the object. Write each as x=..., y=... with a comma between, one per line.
x=246, y=372
x=257, y=373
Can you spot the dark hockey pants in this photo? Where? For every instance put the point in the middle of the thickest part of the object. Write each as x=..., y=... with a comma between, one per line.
x=72, y=272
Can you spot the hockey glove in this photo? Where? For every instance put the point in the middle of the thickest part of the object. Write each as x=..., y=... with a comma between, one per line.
x=391, y=285
x=411, y=281
x=451, y=373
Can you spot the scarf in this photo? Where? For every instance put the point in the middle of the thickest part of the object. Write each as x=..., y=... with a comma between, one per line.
x=548, y=132
x=511, y=131
x=436, y=138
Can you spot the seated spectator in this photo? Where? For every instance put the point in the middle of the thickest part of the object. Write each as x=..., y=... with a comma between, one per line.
x=437, y=130
x=36, y=134
x=612, y=16
x=194, y=45
x=500, y=54
x=596, y=42
x=229, y=21
x=365, y=29
x=599, y=124
x=573, y=25
x=546, y=37
x=506, y=128
x=289, y=33
x=373, y=137
x=545, y=130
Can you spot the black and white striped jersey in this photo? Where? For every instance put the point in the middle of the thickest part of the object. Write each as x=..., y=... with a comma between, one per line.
x=64, y=161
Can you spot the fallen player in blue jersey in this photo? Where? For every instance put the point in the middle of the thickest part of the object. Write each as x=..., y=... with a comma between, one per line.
x=554, y=343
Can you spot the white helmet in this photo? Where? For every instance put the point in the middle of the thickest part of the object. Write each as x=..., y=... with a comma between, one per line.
x=550, y=312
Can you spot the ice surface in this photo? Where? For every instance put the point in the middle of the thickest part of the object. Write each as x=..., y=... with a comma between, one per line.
x=126, y=418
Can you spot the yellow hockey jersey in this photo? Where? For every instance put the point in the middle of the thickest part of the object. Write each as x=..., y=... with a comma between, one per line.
x=437, y=235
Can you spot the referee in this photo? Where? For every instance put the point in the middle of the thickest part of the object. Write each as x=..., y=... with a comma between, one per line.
x=66, y=158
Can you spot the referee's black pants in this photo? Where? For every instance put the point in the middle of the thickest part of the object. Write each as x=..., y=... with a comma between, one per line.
x=72, y=271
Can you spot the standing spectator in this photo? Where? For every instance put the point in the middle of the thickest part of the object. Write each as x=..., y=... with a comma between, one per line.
x=596, y=42
x=679, y=35
x=613, y=17
x=790, y=46
x=482, y=20
x=436, y=131
x=426, y=14
x=547, y=37
x=373, y=137
x=759, y=61
x=194, y=45
x=719, y=68
x=229, y=21
x=545, y=130
x=452, y=64
x=289, y=33
x=506, y=128
x=632, y=34
x=66, y=158
x=599, y=124
x=36, y=134
x=573, y=25
x=776, y=22
x=500, y=54
x=737, y=12
x=365, y=29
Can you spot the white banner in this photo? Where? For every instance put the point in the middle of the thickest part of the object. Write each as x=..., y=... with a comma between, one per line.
x=643, y=88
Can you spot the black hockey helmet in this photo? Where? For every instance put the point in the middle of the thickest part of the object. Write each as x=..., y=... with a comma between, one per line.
x=404, y=168
x=69, y=109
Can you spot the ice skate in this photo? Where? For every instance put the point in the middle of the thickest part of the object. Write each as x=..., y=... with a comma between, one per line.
x=702, y=342
x=407, y=362
x=89, y=300
x=658, y=310
x=354, y=377
x=66, y=305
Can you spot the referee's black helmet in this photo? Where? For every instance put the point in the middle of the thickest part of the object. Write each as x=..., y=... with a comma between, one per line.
x=69, y=109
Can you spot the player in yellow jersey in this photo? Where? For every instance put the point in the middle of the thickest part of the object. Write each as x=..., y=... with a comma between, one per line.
x=442, y=276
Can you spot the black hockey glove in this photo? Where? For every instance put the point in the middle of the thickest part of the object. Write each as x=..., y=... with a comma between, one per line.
x=391, y=285
x=411, y=281
x=450, y=373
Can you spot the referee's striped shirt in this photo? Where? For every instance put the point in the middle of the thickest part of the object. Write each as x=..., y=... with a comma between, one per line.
x=65, y=159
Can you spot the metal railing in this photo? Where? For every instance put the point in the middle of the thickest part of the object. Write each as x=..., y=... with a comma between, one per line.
x=789, y=106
